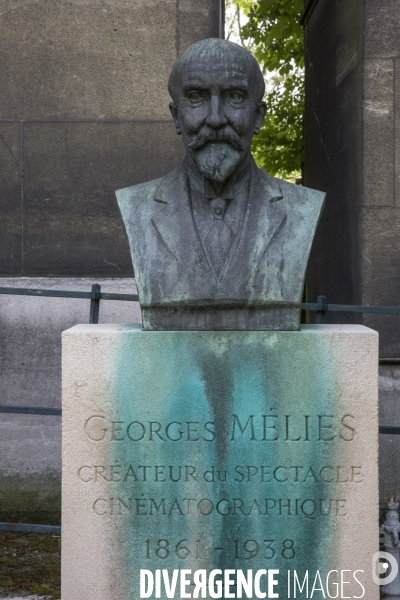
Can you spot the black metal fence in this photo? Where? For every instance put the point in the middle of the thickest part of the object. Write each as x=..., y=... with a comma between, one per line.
x=321, y=307
x=94, y=296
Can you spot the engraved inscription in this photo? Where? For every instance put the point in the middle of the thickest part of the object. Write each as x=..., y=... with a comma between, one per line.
x=253, y=428
x=277, y=489
x=225, y=507
x=235, y=550
x=239, y=474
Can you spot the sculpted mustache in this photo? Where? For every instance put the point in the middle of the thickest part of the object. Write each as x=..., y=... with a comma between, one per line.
x=211, y=135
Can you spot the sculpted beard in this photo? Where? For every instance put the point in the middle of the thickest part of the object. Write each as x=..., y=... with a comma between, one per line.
x=217, y=153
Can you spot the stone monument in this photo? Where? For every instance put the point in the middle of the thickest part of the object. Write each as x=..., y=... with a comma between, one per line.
x=220, y=450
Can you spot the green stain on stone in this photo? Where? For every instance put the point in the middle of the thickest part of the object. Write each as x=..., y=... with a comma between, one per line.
x=252, y=387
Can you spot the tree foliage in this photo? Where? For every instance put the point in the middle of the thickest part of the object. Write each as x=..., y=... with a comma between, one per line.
x=274, y=34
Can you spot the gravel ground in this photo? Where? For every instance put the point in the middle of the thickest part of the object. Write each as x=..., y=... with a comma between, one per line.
x=29, y=566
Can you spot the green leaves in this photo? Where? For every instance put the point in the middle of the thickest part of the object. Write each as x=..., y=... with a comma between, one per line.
x=274, y=34
x=279, y=148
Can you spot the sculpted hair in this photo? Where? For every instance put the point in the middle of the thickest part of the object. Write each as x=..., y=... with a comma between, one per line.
x=211, y=48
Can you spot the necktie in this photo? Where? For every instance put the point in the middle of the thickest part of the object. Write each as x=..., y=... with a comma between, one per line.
x=219, y=238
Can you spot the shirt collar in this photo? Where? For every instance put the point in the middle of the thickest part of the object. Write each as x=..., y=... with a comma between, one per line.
x=227, y=192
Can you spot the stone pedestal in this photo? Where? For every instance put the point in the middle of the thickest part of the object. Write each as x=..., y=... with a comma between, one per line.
x=219, y=450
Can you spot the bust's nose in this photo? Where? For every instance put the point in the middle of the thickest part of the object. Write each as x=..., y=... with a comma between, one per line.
x=216, y=117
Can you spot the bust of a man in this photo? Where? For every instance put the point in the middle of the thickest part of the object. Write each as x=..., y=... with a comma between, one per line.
x=219, y=244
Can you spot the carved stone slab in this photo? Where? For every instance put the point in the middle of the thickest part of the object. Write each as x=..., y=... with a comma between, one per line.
x=218, y=450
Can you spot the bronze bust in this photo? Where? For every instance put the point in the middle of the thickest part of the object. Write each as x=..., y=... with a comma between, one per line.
x=219, y=244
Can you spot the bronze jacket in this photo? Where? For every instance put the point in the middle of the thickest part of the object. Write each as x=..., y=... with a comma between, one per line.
x=261, y=285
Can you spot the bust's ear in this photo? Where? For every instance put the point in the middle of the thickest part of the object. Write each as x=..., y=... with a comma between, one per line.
x=260, y=116
x=174, y=112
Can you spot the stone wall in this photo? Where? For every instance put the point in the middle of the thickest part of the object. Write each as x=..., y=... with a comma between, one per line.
x=381, y=168
x=353, y=153
x=84, y=111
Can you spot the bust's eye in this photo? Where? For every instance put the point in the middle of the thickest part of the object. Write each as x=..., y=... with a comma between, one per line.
x=196, y=96
x=235, y=98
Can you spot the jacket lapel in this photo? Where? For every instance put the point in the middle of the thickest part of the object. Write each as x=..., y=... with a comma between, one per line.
x=174, y=224
x=265, y=216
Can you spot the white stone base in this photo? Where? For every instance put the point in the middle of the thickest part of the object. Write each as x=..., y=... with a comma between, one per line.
x=272, y=438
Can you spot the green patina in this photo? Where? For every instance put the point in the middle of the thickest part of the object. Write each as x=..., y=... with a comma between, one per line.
x=246, y=384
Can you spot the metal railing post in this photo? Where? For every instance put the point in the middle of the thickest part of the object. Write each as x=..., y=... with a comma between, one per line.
x=95, y=304
x=321, y=310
